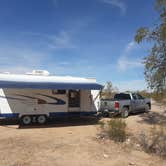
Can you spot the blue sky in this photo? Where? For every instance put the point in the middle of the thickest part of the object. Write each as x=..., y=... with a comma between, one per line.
x=88, y=38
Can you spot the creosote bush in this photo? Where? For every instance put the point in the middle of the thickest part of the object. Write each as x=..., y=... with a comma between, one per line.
x=154, y=141
x=114, y=129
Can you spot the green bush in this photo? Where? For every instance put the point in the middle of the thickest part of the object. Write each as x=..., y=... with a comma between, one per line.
x=114, y=129
x=117, y=130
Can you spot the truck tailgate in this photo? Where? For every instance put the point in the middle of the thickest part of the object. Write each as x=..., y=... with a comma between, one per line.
x=107, y=104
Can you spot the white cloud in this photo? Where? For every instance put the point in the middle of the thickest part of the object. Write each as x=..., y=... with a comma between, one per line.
x=65, y=63
x=117, y=3
x=16, y=69
x=130, y=46
x=21, y=59
x=35, y=50
x=64, y=39
x=16, y=59
x=131, y=85
x=125, y=62
x=61, y=41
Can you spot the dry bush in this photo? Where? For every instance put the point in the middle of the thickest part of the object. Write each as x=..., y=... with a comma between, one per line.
x=154, y=141
x=159, y=97
x=114, y=129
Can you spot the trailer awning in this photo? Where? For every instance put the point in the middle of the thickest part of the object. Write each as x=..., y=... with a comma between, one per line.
x=47, y=82
x=35, y=85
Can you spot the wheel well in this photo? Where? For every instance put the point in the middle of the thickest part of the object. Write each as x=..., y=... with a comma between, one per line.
x=31, y=115
x=149, y=104
x=43, y=115
x=24, y=116
x=126, y=106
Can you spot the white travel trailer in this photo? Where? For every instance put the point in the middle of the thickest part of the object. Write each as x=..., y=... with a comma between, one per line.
x=36, y=96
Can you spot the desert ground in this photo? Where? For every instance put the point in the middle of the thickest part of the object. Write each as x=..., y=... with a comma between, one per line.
x=75, y=142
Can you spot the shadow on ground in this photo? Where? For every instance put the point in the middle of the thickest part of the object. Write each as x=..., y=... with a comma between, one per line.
x=153, y=118
x=58, y=122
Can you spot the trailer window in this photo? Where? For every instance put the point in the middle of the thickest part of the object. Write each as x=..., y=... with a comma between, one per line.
x=61, y=91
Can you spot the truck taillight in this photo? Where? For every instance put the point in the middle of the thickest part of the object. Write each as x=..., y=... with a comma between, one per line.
x=116, y=105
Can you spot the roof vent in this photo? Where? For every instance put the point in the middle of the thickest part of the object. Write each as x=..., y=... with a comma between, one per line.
x=92, y=79
x=6, y=72
x=39, y=72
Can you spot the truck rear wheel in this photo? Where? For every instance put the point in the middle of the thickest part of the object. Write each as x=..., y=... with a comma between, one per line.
x=147, y=108
x=41, y=119
x=26, y=120
x=125, y=112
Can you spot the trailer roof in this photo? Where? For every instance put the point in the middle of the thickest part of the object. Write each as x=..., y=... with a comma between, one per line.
x=46, y=82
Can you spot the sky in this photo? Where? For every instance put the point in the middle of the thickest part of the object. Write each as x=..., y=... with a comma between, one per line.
x=85, y=38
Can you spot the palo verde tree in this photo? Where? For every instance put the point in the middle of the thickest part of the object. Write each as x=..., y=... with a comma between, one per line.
x=155, y=62
x=109, y=91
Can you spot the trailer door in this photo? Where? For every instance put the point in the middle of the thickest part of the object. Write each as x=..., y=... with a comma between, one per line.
x=74, y=100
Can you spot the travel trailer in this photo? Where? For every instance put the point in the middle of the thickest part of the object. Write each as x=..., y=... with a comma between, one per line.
x=35, y=97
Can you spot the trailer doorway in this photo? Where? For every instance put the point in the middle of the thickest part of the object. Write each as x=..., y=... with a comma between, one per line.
x=74, y=100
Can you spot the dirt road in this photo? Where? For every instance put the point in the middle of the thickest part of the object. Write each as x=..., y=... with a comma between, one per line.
x=75, y=143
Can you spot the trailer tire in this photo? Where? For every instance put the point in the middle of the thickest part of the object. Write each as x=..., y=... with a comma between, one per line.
x=106, y=113
x=41, y=119
x=26, y=120
x=125, y=112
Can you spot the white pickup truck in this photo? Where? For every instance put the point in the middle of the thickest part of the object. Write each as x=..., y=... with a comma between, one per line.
x=124, y=104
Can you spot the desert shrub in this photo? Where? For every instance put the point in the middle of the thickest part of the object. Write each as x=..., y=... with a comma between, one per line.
x=102, y=124
x=158, y=96
x=154, y=141
x=144, y=93
x=114, y=129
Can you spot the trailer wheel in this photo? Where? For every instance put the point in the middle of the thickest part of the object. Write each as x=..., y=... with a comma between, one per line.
x=106, y=113
x=125, y=112
x=26, y=120
x=41, y=119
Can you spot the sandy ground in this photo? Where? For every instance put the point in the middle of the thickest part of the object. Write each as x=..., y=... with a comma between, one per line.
x=75, y=143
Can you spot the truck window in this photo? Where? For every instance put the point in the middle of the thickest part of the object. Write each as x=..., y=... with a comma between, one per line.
x=122, y=96
x=134, y=96
x=139, y=96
